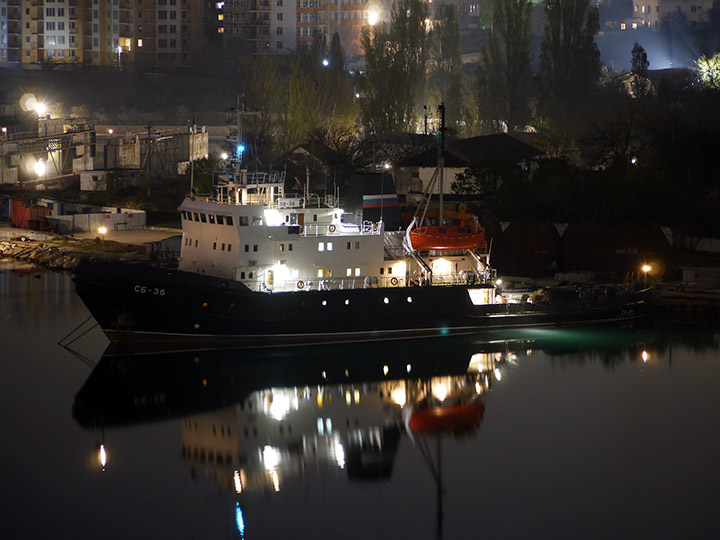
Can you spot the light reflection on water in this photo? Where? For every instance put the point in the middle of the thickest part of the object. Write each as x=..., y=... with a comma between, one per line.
x=550, y=434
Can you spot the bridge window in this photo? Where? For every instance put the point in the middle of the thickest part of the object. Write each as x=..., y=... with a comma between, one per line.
x=243, y=221
x=203, y=218
x=211, y=218
x=228, y=220
x=220, y=220
x=321, y=246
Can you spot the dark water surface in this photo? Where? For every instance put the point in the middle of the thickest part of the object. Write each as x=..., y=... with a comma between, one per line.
x=554, y=434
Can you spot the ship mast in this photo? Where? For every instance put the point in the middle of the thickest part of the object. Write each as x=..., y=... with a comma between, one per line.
x=441, y=162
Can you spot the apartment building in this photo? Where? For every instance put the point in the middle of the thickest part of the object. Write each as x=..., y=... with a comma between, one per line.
x=118, y=33
x=166, y=33
x=652, y=12
x=281, y=26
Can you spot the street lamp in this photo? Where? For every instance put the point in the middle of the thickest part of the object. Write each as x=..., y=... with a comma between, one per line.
x=102, y=456
x=40, y=168
x=102, y=231
x=373, y=16
x=646, y=268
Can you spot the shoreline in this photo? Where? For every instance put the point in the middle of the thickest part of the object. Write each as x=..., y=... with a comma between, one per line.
x=678, y=302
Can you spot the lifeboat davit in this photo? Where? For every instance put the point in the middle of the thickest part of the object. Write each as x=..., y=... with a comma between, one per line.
x=455, y=419
x=447, y=237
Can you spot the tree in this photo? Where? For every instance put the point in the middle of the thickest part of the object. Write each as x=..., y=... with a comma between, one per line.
x=569, y=56
x=639, y=67
x=445, y=64
x=708, y=68
x=504, y=68
x=639, y=60
x=299, y=114
x=259, y=104
x=396, y=58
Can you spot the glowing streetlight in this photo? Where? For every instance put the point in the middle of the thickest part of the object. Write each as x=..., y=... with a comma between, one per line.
x=110, y=131
x=102, y=231
x=646, y=268
x=40, y=108
x=325, y=62
x=102, y=456
x=40, y=168
x=224, y=156
x=373, y=17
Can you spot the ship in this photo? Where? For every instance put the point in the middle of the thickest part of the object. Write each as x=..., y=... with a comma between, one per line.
x=260, y=267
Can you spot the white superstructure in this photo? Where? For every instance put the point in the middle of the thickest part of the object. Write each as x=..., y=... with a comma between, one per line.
x=250, y=232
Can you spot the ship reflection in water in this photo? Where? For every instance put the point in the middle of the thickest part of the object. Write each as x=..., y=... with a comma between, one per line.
x=255, y=420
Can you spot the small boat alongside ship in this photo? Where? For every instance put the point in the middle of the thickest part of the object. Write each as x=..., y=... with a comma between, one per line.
x=261, y=268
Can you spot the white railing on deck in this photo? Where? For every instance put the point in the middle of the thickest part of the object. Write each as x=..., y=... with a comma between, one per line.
x=326, y=284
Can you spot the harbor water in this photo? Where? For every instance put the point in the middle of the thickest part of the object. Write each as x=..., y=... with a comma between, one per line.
x=584, y=433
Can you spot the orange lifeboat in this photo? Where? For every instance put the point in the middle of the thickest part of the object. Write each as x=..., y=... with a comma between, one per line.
x=447, y=237
x=455, y=419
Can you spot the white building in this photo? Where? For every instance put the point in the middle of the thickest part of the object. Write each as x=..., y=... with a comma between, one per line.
x=652, y=12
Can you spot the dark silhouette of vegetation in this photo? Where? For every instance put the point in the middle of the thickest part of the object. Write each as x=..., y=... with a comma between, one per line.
x=396, y=61
x=569, y=57
x=504, y=77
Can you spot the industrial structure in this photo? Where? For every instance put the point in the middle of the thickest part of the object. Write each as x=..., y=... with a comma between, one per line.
x=39, y=151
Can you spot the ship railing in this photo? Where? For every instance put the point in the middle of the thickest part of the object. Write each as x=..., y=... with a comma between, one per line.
x=339, y=229
x=363, y=282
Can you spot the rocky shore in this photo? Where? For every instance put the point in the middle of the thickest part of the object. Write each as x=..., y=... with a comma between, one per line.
x=62, y=253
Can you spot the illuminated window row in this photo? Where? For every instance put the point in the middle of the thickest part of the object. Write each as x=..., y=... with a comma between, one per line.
x=213, y=219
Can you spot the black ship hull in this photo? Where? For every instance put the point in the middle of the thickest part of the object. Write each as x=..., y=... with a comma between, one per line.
x=138, y=303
